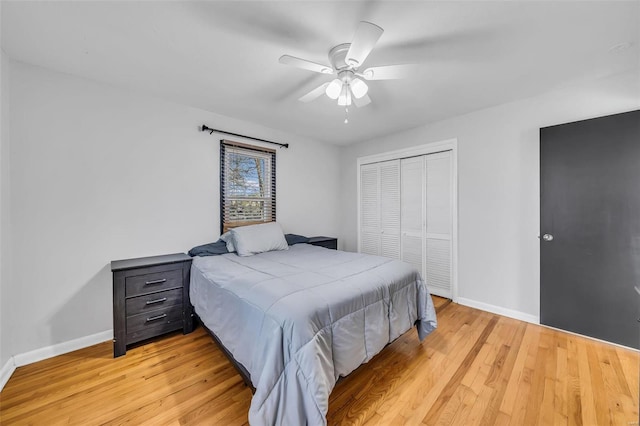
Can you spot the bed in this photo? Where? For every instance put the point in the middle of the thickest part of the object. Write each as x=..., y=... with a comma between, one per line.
x=297, y=320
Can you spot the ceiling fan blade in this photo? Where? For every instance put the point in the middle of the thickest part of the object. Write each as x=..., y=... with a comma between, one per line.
x=390, y=72
x=363, y=101
x=305, y=65
x=315, y=93
x=363, y=42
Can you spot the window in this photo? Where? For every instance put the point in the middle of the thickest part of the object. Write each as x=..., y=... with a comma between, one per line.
x=247, y=185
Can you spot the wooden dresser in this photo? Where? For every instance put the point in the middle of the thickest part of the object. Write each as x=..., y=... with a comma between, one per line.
x=150, y=297
x=328, y=242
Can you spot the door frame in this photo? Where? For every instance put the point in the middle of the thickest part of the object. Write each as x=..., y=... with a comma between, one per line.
x=415, y=151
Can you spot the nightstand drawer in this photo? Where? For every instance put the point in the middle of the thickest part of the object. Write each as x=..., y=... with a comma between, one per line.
x=152, y=282
x=150, y=302
x=159, y=319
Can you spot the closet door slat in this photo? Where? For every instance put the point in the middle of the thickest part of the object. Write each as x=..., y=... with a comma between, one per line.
x=390, y=209
x=412, y=212
x=439, y=210
x=369, y=209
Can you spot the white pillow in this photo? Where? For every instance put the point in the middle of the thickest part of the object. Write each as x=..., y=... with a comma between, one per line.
x=228, y=238
x=253, y=239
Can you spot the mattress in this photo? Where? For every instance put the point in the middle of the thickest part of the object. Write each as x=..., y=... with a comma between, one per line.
x=299, y=319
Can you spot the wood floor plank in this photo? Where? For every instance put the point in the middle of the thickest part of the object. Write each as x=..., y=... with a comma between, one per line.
x=574, y=396
x=501, y=369
x=546, y=414
x=480, y=406
x=629, y=364
x=589, y=416
x=515, y=376
x=560, y=410
x=468, y=402
x=597, y=381
x=476, y=369
x=611, y=356
x=536, y=396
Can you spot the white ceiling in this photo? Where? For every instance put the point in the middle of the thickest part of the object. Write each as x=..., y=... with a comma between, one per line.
x=222, y=56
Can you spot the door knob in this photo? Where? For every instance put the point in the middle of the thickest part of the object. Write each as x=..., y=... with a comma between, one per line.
x=547, y=237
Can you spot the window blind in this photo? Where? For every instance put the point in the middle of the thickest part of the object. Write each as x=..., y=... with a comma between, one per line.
x=247, y=185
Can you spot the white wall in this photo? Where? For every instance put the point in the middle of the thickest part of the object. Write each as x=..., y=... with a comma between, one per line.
x=99, y=174
x=498, y=186
x=5, y=355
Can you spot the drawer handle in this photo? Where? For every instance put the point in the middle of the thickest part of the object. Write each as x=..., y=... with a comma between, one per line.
x=157, y=317
x=151, y=302
x=155, y=282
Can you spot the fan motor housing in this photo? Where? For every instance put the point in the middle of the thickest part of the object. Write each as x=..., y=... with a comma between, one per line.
x=337, y=56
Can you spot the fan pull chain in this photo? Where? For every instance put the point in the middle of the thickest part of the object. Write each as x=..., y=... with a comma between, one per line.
x=346, y=115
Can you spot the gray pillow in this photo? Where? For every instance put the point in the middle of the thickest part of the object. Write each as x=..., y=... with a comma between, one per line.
x=254, y=239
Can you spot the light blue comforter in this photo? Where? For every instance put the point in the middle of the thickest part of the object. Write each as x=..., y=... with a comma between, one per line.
x=299, y=319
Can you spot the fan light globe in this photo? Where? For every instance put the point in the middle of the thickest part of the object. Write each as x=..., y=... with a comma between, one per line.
x=334, y=88
x=359, y=88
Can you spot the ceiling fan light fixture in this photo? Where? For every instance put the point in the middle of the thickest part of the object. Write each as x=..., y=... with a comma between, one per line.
x=345, y=96
x=334, y=88
x=359, y=88
x=348, y=85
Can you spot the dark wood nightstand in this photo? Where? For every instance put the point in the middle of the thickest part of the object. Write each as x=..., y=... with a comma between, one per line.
x=150, y=297
x=328, y=242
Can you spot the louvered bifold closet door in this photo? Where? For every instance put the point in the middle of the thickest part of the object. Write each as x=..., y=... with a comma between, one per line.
x=390, y=209
x=439, y=206
x=412, y=199
x=369, y=209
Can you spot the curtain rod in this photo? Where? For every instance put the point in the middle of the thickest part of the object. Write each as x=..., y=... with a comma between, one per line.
x=207, y=128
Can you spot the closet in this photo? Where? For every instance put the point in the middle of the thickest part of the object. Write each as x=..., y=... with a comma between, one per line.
x=406, y=213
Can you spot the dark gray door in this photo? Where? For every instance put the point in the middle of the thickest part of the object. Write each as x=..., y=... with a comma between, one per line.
x=590, y=227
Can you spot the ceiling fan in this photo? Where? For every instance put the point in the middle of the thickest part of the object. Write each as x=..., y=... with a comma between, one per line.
x=346, y=60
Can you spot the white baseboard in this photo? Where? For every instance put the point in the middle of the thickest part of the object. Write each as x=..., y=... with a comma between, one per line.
x=61, y=348
x=5, y=373
x=533, y=319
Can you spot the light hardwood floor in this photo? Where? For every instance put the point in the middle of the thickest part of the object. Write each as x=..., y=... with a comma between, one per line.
x=476, y=369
